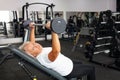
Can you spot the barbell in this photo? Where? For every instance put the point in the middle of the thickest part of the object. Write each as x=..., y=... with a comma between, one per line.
x=58, y=25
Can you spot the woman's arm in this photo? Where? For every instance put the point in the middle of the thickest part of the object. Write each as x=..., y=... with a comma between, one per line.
x=31, y=47
x=32, y=34
x=56, y=48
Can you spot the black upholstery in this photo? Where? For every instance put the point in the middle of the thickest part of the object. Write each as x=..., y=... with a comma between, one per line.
x=35, y=62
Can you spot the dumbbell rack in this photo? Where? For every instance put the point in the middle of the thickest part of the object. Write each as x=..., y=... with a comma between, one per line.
x=112, y=47
x=113, y=52
x=104, y=39
x=117, y=54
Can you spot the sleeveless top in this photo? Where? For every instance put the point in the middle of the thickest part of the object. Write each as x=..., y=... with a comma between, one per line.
x=62, y=64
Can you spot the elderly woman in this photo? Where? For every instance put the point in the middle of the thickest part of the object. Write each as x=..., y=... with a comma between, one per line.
x=52, y=58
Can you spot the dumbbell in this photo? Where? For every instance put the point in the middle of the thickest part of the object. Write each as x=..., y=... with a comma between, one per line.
x=58, y=25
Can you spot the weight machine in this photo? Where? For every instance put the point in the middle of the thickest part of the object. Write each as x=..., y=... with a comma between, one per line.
x=48, y=6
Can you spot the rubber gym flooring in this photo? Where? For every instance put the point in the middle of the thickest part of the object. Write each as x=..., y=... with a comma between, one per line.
x=10, y=70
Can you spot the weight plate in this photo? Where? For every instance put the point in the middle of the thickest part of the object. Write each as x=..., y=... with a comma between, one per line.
x=26, y=23
x=58, y=25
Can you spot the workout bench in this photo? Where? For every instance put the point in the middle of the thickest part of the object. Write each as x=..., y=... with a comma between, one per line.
x=34, y=62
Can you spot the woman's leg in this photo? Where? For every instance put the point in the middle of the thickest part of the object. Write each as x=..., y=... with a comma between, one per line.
x=80, y=70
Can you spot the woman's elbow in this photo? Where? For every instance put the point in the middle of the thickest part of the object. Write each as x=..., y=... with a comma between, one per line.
x=53, y=55
x=56, y=51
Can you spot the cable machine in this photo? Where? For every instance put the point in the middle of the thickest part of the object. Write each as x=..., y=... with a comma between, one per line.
x=48, y=17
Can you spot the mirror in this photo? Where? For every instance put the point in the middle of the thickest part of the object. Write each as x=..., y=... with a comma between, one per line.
x=80, y=22
x=11, y=23
x=87, y=17
x=6, y=28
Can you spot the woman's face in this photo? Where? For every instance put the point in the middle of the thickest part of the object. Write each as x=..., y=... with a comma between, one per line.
x=33, y=48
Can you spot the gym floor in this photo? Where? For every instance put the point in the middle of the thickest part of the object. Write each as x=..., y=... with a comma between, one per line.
x=10, y=70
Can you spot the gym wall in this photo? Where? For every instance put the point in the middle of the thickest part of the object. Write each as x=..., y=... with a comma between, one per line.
x=91, y=5
x=64, y=5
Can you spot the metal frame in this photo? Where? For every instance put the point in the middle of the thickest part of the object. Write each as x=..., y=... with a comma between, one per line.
x=25, y=9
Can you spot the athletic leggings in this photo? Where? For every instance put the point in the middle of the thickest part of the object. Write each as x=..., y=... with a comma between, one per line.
x=80, y=70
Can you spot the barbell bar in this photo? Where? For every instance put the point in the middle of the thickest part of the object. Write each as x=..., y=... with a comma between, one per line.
x=58, y=25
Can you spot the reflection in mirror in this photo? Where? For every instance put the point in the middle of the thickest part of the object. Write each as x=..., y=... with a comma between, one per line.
x=6, y=26
x=82, y=19
x=39, y=18
x=58, y=14
x=77, y=22
x=11, y=23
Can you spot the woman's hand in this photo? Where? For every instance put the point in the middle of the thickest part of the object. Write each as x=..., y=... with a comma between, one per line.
x=32, y=25
x=48, y=25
